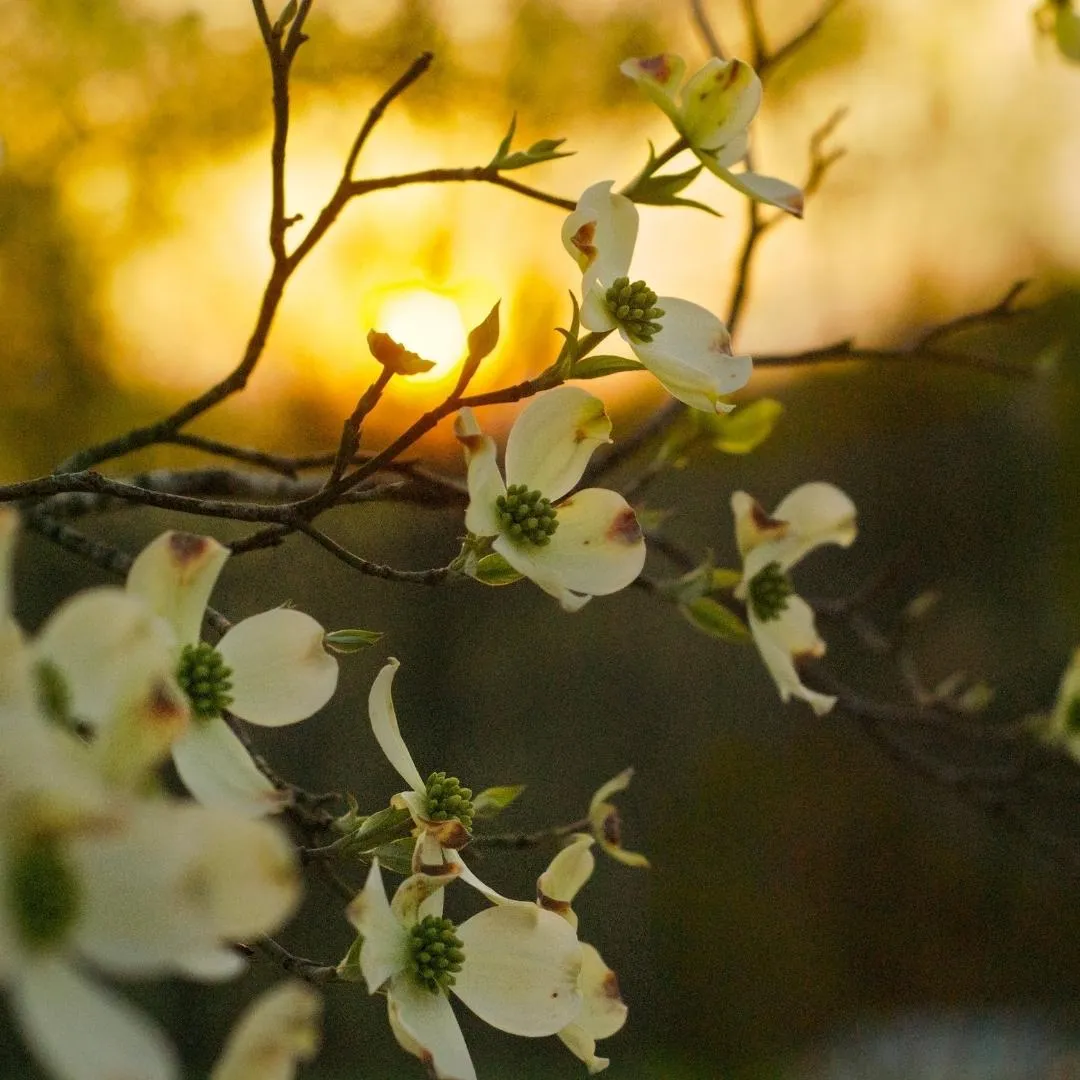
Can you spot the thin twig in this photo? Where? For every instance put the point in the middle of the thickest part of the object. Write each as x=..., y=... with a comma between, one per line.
x=308, y=970
x=435, y=576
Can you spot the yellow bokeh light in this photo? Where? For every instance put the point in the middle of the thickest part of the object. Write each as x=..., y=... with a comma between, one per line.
x=429, y=324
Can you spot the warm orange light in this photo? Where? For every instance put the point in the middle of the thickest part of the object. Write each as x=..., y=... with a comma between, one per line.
x=428, y=324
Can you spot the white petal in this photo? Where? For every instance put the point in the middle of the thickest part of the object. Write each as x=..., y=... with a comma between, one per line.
x=485, y=483
x=214, y=965
x=719, y=101
x=547, y=578
x=600, y=234
x=780, y=641
x=110, y=648
x=384, y=725
x=732, y=152
x=217, y=769
x=659, y=77
x=595, y=313
x=425, y=1025
x=819, y=512
x=691, y=356
x=603, y=1011
x=180, y=880
x=598, y=548
x=753, y=526
x=553, y=438
x=281, y=673
x=276, y=1032
x=566, y=874
x=384, y=951
x=412, y=898
x=176, y=574
x=520, y=970
x=470, y=878
x=82, y=1031
x=578, y=1041
x=766, y=189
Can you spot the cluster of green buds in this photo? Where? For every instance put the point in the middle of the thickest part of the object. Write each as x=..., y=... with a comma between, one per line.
x=447, y=800
x=436, y=953
x=526, y=515
x=206, y=679
x=633, y=306
x=769, y=590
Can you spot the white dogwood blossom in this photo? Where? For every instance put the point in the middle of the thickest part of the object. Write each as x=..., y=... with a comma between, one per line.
x=605, y=824
x=515, y=965
x=713, y=114
x=683, y=344
x=574, y=546
x=440, y=807
x=270, y=669
x=781, y=622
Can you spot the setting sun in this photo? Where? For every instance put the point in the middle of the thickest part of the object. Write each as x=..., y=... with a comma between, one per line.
x=428, y=324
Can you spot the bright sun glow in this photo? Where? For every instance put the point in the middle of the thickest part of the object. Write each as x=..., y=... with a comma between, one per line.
x=428, y=324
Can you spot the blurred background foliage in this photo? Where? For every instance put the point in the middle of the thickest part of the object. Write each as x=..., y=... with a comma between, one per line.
x=814, y=909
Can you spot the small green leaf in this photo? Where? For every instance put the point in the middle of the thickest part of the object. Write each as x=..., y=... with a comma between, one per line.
x=494, y=800
x=559, y=370
x=663, y=191
x=747, y=427
x=287, y=15
x=482, y=339
x=351, y=641
x=379, y=828
x=596, y=367
x=723, y=578
x=396, y=856
x=541, y=150
x=349, y=969
x=493, y=569
x=716, y=620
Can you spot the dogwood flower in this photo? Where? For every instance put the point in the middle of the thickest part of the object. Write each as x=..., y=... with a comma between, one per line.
x=574, y=547
x=602, y=1012
x=605, y=824
x=781, y=622
x=440, y=807
x=713, y=114
x=90, y=876
x=270, y=669
x=276, y=1032
x=685, y=346
x=516, y=966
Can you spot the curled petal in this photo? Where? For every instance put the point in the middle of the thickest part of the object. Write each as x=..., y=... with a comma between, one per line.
x=566, y=874
x=691, y=356
x=521, y=969
x=412, y=898
x=578, y=1041
x=424, y=1024
x=281, y=673
x=80, y=1030
x=276, y=1032
x=595, y=313
x=605, y=823
x=384, y=951
x=659, y=78
x=600, y=234
x=753, y=526
x=485, y=483
x=553, y=438
x=784, y=640
x=217, y=769
x=820, y=513
x=766, y=189
x=175, y=574
x=384, y=725
x=719, y=101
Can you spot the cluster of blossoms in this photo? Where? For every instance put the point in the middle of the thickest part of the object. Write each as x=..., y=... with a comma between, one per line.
x=102, y=869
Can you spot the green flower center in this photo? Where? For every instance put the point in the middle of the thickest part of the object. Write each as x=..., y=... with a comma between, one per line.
x=206, y=679
x=769, y=590
x=54, y=694
x=526, y=515
x=447, y=799
x=436, y=953
x=1072, y=716
x=43, y=893
x=633, y=306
